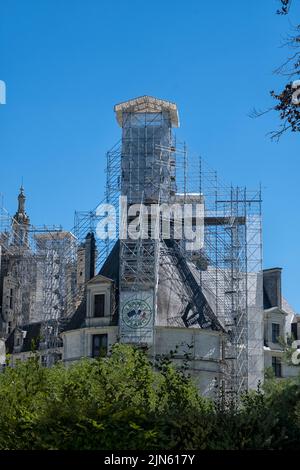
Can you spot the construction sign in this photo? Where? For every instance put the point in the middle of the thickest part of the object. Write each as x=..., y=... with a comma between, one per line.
x=136, y=317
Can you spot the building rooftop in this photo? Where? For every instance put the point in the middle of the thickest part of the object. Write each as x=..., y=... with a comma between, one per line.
x=54, y=235
x=147, y=104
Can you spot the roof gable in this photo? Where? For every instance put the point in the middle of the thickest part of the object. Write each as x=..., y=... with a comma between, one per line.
x=99, y=279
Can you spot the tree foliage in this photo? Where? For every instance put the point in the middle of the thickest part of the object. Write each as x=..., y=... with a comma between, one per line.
x=287, y=107
x=123, y=403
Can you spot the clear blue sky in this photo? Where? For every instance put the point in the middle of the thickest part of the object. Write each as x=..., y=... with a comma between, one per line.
x=67, y=62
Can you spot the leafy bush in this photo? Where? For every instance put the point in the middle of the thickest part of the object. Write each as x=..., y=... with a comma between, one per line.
x=122, y=403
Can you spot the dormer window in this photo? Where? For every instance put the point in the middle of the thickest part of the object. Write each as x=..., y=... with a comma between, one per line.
x=99, y=305
x=275, y=332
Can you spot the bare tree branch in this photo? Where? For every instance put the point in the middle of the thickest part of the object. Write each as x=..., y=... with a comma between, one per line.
x=288, y=100
x=285, y=6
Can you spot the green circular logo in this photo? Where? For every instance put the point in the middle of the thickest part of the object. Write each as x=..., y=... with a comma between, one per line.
x=136, y=313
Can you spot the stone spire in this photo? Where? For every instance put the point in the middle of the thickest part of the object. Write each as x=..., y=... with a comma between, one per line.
x=21, y=221
x=21, y=201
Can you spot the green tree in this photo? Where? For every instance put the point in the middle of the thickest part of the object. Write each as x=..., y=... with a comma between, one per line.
x=114, y=402
x=123, y=402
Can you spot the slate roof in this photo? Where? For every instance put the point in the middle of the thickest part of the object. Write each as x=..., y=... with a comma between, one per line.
x=110, y=268
x=78, y=318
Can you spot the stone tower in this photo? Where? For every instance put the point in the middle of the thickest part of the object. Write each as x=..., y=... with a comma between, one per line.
x=148, y=178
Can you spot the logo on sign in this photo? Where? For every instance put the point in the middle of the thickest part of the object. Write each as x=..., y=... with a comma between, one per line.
x=136, y=313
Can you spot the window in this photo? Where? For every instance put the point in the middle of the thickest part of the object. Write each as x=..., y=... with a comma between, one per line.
x=11, y=292
x=294, y=330
x=44, y=361
x=9, y=327
x=58, y=357
x=99, y=305
x=275, y=332
x=99, y=345
x=18, y=341
x=276, y=364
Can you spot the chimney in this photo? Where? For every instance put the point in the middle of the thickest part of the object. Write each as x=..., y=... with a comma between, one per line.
x=90, y=256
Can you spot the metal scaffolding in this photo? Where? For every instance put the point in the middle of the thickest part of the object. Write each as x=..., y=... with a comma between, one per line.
x=37, y=277
x=224, y=278
x=217, y=287
x=233, y=275
x=228, y=268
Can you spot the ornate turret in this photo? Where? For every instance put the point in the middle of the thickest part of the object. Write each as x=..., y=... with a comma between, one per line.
x=21, y=222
